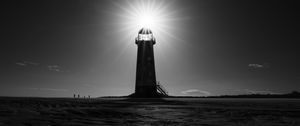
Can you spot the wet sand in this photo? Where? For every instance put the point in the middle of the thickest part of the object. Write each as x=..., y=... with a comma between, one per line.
x=156, y=112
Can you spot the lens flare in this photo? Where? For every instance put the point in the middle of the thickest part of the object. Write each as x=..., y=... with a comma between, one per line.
x=146, y=21
x=158, y=15
x=165, y=18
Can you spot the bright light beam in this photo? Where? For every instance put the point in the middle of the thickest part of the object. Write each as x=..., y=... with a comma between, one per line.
x=156, y=15
x=163, y=17
x=146, y=21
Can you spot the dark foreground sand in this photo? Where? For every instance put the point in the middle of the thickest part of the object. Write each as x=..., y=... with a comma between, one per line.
x=172, y=111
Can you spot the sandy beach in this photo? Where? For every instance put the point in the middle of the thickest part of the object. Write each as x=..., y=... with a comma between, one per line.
x=172, y=111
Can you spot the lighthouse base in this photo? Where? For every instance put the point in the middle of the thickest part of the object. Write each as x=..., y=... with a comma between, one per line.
x=154, y=95
x=147, y=92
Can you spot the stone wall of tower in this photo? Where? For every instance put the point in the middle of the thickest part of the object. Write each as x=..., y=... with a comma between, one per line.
x=145, y=70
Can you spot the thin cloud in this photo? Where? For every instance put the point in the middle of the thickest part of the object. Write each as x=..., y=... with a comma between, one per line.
x=21, y=64
x=196, y=92
x=55, y=68
x=256, y=65
x=27, y=63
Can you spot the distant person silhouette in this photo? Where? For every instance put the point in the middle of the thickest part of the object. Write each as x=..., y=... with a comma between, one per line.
x=78, y=96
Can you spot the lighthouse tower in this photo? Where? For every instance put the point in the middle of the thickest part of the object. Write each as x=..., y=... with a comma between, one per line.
x=145, y=84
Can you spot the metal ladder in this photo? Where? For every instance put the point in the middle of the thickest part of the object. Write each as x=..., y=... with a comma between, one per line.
x=161, y=89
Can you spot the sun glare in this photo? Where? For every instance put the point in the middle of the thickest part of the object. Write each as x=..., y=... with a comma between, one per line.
x=150, y=14
x=157, y=15
x=146, y=21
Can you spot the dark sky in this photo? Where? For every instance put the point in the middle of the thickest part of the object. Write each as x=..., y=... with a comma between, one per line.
x=58, y=48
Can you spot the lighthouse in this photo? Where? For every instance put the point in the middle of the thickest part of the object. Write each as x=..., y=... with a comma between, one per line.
x=145, y=83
